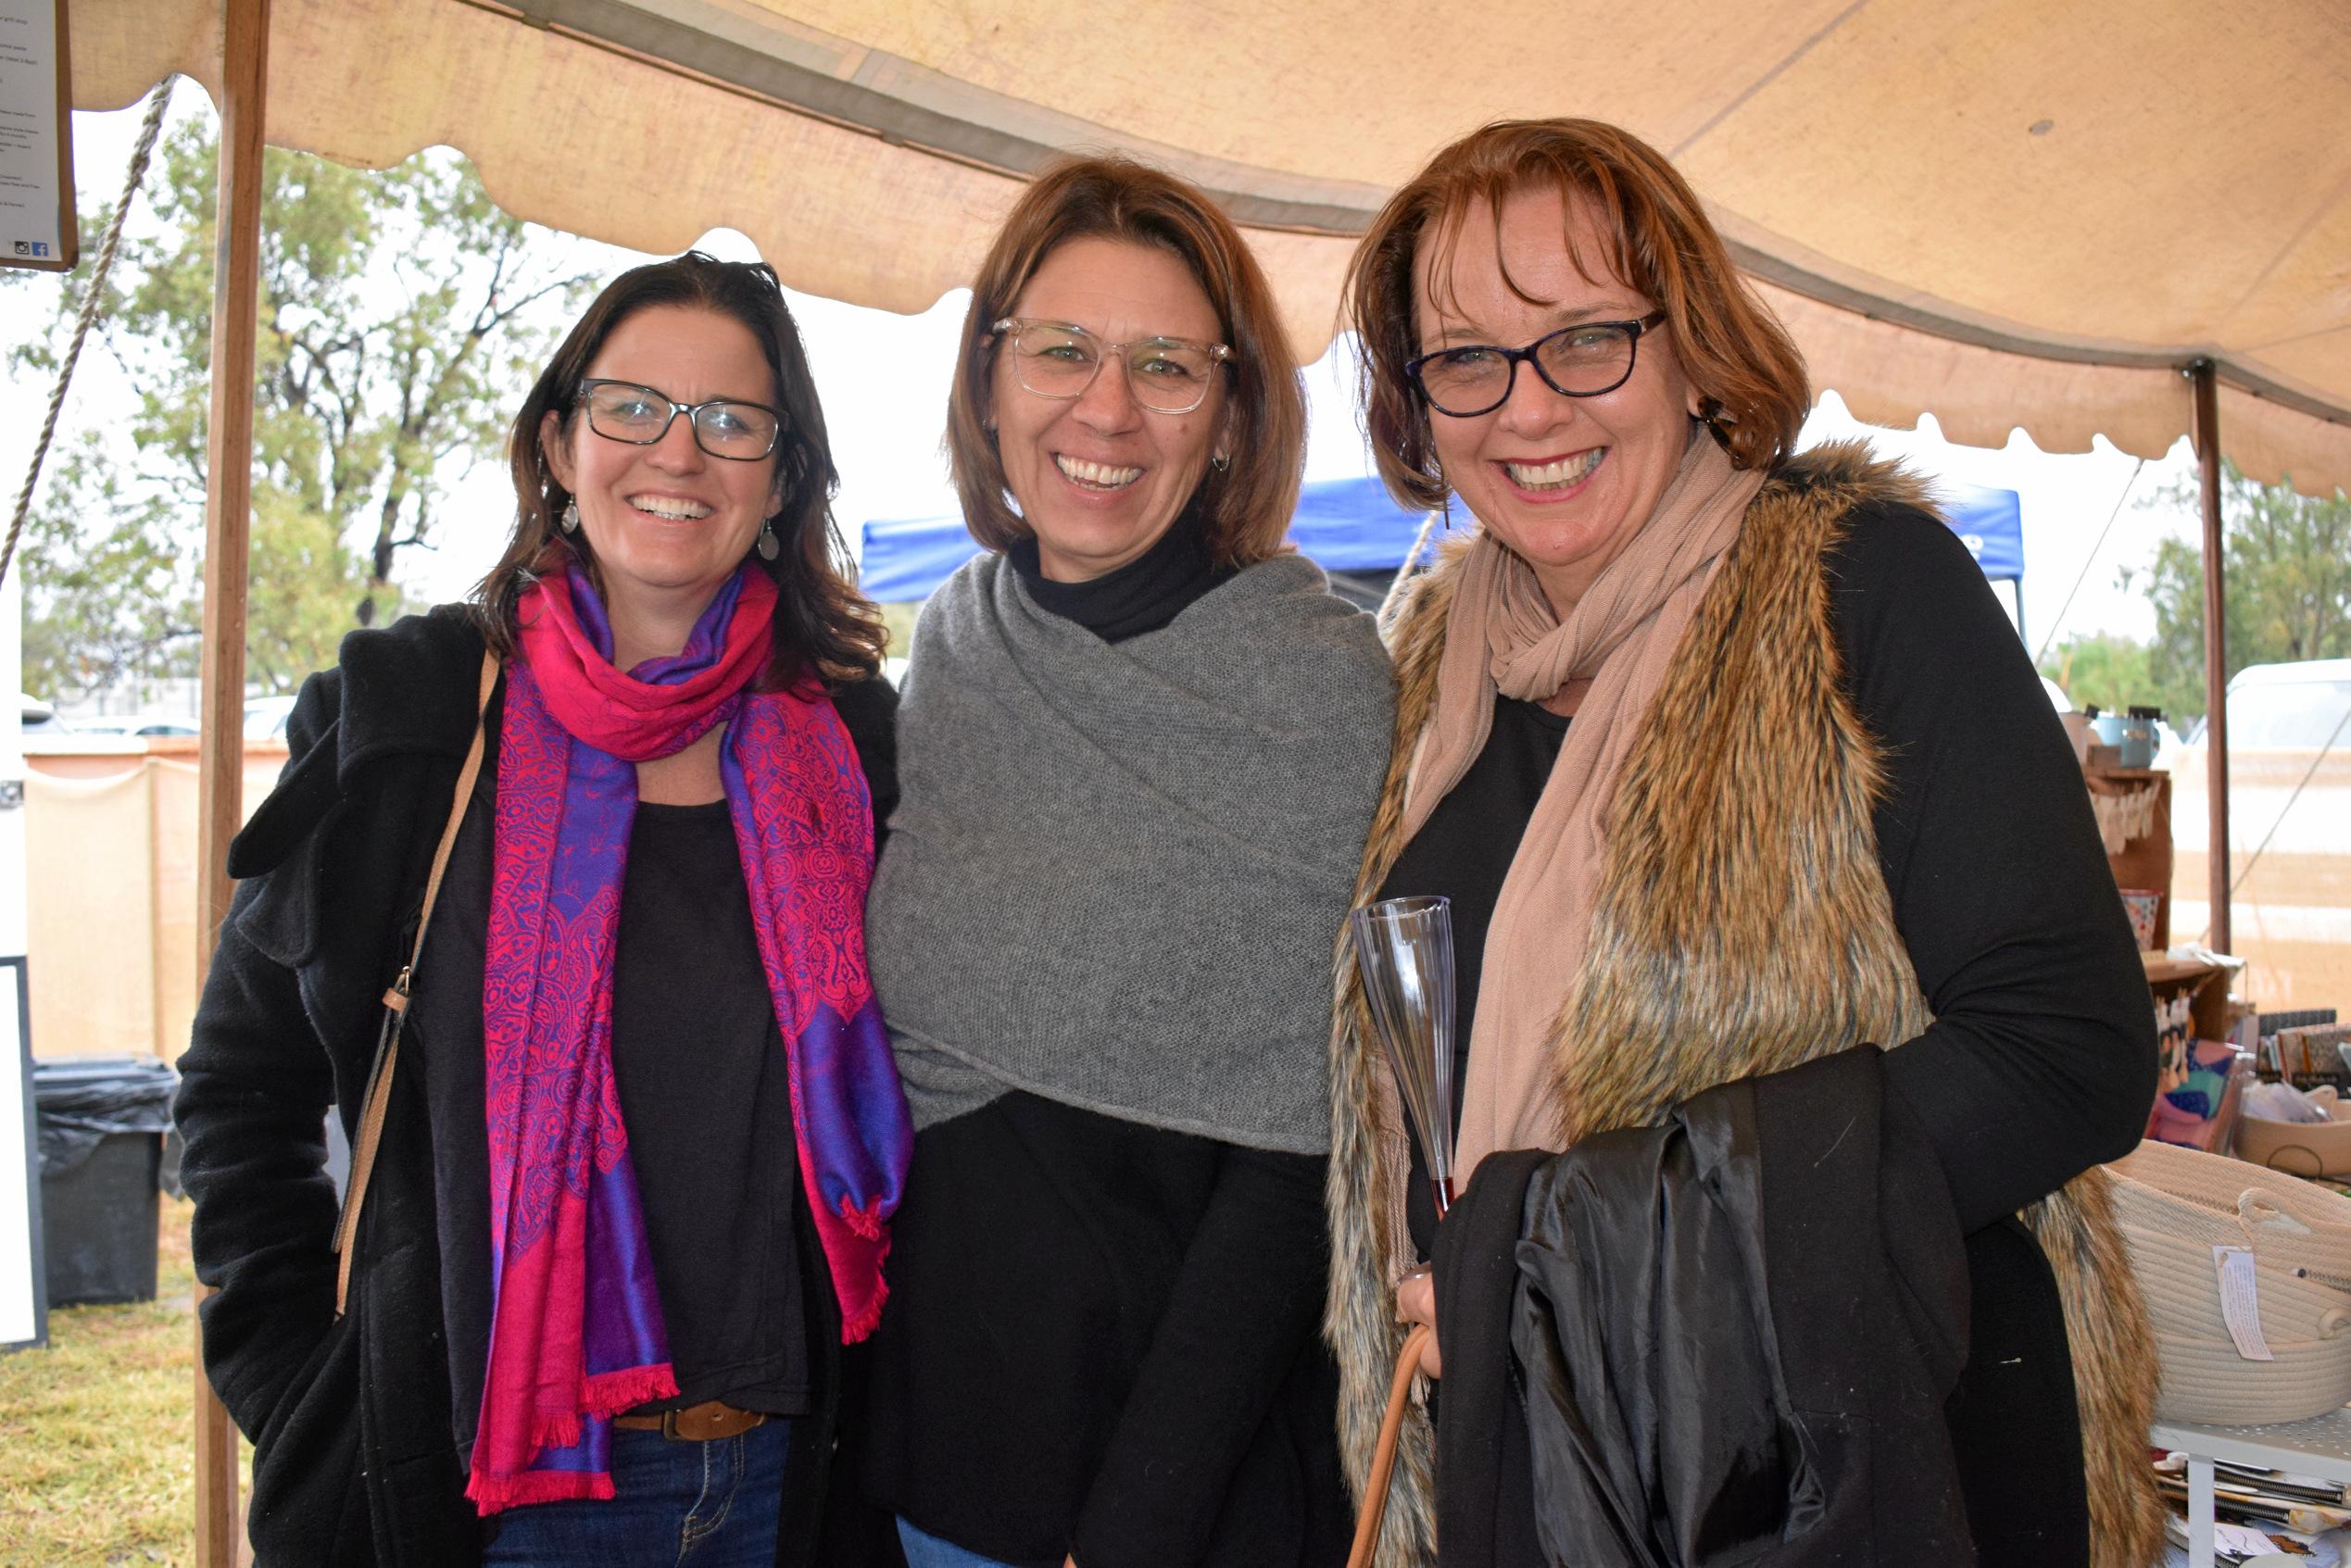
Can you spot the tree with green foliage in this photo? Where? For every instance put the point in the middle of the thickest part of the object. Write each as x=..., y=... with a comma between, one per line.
x=402, y=316
x=2288, y=575
x=2287, y=572
x=2105, y=670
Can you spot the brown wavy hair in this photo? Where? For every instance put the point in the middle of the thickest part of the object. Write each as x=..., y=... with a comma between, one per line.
x=1751, y=381
x=1246, y=509
x=824, y=626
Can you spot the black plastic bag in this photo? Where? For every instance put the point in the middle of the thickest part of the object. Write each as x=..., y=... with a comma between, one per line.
x=80, y=1100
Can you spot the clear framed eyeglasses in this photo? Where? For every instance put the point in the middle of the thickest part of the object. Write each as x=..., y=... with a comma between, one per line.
x=1584, y=360
x=1168, y=375
x=620, y=410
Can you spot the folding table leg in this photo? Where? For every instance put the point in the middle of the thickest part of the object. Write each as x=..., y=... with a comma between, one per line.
x=2199, y=1512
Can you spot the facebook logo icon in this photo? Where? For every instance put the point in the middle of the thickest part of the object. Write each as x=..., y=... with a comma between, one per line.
x=32, y=248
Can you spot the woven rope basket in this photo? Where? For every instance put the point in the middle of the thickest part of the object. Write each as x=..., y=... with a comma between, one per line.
x=2175, y=1206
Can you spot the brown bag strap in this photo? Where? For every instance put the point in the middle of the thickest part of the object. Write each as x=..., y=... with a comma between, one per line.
x=1383, y=1465
x=395, y=1004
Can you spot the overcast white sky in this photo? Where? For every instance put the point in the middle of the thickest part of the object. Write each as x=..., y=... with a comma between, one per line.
x=883, y=378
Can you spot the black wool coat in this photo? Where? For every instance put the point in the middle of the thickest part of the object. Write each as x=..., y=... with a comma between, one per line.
x=355, y=1460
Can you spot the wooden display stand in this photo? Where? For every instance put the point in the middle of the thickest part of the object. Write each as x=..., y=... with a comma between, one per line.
x=2209, y=1005
x=2145, y=862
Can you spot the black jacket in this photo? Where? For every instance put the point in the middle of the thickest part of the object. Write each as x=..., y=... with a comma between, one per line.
x=1734, y=1336
x=355, y=1461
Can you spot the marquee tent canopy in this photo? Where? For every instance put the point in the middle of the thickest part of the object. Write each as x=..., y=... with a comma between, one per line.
x=2001, y=211
x=2006, y=213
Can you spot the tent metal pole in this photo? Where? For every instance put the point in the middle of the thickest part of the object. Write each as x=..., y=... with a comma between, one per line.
x=2216, y=650
x=237, y=292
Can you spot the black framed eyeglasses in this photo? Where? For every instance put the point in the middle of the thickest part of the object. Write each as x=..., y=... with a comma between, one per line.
x=1584, y=360
x=1168, y=375
x=622, y=411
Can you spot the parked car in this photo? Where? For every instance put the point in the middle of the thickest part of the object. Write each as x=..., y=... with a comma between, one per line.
x=265, y=716
x=134, y=725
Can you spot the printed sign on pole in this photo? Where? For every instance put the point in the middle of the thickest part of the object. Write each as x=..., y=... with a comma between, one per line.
x=23, y=1269
x=37, y=224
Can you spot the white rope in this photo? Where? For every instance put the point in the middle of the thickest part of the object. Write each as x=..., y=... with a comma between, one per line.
x=2080, y=577
x=156, y=101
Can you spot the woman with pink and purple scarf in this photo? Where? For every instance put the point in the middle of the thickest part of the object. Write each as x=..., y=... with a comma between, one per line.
x=641, y=1135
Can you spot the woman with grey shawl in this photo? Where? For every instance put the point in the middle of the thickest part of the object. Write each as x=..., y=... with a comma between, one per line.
x=1139, y=752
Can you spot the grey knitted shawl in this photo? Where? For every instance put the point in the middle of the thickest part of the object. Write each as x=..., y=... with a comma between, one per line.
x=1116, y=870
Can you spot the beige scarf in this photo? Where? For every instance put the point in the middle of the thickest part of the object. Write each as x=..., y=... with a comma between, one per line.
x=1503, y=635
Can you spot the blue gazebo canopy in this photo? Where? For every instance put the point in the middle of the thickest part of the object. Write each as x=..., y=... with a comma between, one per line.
x=1353, y=525
x=1341, y=524
x=1990, y=522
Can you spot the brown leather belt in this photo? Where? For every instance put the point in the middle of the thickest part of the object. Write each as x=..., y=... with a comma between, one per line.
x=705, y=1423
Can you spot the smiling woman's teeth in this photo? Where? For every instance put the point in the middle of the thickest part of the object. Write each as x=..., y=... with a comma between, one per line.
x=1096, y=476
x=1554, y=476
x=673, y=511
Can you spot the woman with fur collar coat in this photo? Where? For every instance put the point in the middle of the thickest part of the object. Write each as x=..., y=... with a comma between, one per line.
x=1728, y=762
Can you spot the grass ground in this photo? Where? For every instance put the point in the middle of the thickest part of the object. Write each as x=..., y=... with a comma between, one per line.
x=95, y=1465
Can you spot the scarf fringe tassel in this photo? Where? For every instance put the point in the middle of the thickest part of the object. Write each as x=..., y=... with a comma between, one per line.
x=609, y=1393
x=866, y=1222
x=863, y=1323
x=495, y=1494
x=601, y=1397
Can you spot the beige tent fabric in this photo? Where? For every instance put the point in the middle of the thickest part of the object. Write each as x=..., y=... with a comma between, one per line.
x=2007, y=213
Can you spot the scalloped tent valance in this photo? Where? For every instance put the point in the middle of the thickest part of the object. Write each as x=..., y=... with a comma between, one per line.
x=2005, y=213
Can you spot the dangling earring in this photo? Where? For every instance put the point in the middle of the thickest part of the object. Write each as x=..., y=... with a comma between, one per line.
x=769, y=546
x=570, y=518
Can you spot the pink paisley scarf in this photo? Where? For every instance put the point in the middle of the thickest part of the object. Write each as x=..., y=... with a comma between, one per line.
x=576, y=1334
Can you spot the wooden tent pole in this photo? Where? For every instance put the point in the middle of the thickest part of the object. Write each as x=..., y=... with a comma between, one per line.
x=2216, y=650
x=236, y=294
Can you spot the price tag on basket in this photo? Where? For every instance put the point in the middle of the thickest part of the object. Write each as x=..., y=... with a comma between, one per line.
x=2241, y=1301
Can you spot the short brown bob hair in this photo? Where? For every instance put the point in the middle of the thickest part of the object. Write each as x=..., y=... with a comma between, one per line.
x=1749, y=376
x=1246, y=508
x=824, y=626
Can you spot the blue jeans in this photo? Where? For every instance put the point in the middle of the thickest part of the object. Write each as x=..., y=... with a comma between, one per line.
x=929, y=1551
x=707, y=1505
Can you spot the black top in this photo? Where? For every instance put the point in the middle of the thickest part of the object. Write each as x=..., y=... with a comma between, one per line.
x=1462, y=853
x=1101, y=1336
x=2000, y=894
x=1142, y=596
x=697, y=1062
x=1101, y=1340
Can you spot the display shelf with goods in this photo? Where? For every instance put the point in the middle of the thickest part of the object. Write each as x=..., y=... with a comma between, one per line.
x=2203, y=982
x=2134, y=807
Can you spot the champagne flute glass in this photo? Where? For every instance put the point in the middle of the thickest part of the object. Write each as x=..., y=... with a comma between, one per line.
x=1404, y=953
